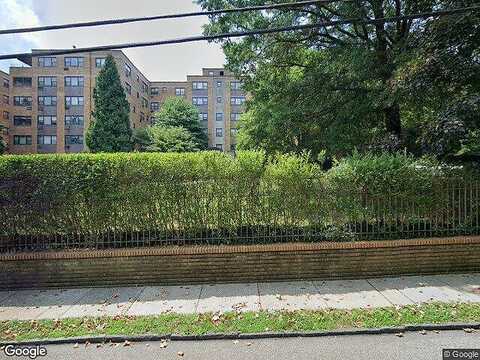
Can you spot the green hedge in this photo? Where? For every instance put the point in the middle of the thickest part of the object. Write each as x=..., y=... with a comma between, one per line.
x=210, y=195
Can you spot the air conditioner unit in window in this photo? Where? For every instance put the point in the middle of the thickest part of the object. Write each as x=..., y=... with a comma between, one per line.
x=29, y=108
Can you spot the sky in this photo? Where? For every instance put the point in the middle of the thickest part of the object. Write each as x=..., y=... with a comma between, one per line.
x=164, y=63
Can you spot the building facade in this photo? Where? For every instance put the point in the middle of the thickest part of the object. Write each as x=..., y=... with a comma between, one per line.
x=5, y=109
x=50, y=102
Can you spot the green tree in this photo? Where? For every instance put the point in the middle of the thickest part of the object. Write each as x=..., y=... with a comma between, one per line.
x=110, y=127
x=335, y=87
x=160, y=138
x=3, y=145
x=176, y=112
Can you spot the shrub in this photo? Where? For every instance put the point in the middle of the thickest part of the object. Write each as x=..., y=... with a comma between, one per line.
x=133, y=199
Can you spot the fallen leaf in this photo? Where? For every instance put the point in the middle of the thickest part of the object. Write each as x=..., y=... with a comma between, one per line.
x=423, y=332
x=75, y=346
x=163, y=344
x=468, y=330
x=399, y=335
x=180, y=353
x=249, y=344
x=235, y=341
x=127, y=343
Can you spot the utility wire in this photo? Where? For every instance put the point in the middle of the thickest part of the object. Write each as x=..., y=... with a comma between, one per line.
x=242, y=33
x=169, y=16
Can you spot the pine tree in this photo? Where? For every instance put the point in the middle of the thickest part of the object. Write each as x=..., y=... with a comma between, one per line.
x=110, y=127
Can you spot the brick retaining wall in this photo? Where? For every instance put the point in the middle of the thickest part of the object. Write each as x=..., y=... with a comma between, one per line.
x=205, y=264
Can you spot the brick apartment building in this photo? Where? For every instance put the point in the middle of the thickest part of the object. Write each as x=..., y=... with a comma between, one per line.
x=47, y=105
x=4, y=104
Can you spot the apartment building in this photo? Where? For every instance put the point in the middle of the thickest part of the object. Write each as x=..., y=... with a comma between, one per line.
x=51, y=101
x=219, y=98
x=4, y=105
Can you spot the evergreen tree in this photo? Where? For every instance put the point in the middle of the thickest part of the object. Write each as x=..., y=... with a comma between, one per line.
x=177, y=112
x=110, y=127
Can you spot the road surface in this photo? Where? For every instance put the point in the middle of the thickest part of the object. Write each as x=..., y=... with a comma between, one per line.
x=412, y=346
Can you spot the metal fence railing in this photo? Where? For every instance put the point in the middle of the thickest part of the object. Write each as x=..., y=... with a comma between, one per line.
x=451, y=209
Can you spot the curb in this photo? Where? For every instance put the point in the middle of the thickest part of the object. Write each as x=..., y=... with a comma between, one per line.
x=238, y=336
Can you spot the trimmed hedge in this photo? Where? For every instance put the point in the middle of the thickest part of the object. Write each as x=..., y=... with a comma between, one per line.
x=85, y=199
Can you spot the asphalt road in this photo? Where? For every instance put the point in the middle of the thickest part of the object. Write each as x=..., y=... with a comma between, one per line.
x=412, y=346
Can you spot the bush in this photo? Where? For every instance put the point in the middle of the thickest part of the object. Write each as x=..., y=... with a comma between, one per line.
x=119, y=200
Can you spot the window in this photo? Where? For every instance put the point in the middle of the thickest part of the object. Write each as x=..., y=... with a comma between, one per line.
x=6, y=83
x=47, y=81
x=6, y=99
x=233, y=131
x=46, y=121
x=203, y=116
x=142, y=117
x=211, y=73
x=74, y=120
x=164, y=89
x=155, y=106
x=235, y=116
x=128, y=88
x=200, y=101
x=154, y=91
x=138, y=94
x=47, y=140
x=74, y=81
x=22, y=100
x=100, y=62
x=238, y=100
x=47, y=100
x=22, y=120
x=219, y=147
x=74, y=140
x=218, y=132
x=22, y=140
x=134, y=109
x=74, y=62
x=144, y=103
x=219, y=84
x=47, y=62
x=222, y=73
x=200, y=85
x=180, y=91
x=219, y=99
x=236, y=85
x=74, y=101
x=219, y=116
x=128, y=70
x=22, y=82
x=6, y=115
x=144, y=87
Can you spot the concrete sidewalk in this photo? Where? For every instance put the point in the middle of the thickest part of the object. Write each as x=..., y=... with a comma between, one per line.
x=302, y=295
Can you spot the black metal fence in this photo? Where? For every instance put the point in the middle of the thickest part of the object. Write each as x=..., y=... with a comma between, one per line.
x=453, y=208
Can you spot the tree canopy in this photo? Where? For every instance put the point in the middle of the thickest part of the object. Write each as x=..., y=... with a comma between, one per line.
x=110, y=129
x=356, y=86
x=160, y=138
x=177, y=112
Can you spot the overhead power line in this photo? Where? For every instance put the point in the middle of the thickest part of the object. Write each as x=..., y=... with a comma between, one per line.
x=242, y=33
x=169, y=16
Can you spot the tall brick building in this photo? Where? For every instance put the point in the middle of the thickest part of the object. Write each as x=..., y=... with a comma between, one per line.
x=50, y=101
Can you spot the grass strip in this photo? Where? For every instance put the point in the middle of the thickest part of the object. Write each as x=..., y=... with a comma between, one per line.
x=249, y=322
